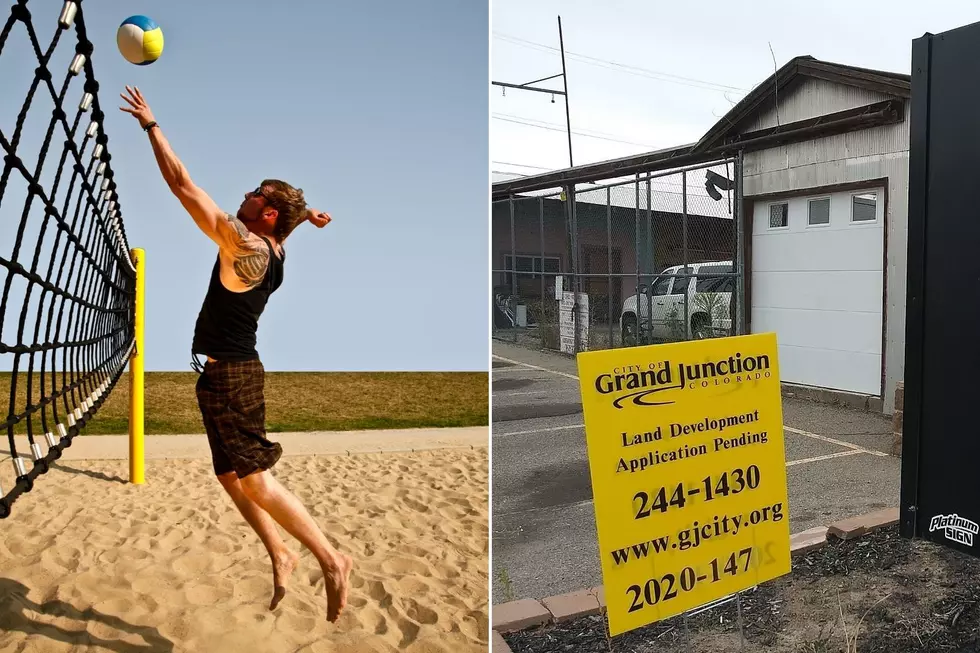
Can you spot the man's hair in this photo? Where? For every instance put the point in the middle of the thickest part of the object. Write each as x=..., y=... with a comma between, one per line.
x=290, y=204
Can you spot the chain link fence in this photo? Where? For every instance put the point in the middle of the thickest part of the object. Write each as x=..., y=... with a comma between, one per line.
x=637, y=261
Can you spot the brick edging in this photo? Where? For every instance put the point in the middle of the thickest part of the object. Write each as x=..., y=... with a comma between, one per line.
x=515, y=616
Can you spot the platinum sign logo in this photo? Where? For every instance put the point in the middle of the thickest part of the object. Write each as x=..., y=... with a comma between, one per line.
x=958, y=529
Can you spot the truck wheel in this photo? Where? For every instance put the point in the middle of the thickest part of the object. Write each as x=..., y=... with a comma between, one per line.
x=700, y=327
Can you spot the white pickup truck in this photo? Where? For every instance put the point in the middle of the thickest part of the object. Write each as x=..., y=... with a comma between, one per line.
x=708, y=294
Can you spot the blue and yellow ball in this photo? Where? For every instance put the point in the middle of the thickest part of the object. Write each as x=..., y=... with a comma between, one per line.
x=140, y=40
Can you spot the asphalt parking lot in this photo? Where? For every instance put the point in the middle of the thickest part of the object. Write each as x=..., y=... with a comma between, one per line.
x=544, y=539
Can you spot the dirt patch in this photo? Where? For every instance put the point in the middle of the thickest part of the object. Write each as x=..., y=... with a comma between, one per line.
x=894, y=595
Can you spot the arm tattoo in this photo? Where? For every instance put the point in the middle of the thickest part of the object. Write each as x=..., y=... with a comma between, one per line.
x=249, y=263
x=237, y=225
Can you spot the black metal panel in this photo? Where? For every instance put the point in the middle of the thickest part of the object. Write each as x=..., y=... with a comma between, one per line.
x=941, y=446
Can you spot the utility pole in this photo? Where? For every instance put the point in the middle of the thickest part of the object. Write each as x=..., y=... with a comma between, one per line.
x=564, y=79
x=568, y=192
x=527, y=87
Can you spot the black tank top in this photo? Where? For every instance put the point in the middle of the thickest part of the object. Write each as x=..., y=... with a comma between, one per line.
x=227, y=324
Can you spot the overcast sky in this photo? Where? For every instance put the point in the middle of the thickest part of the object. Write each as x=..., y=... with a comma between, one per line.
x=660, y=74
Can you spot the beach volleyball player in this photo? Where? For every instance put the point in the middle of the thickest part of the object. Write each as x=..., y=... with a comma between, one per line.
x=248, y=268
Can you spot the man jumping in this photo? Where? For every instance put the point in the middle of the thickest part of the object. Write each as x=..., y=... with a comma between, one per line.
x=249, y=268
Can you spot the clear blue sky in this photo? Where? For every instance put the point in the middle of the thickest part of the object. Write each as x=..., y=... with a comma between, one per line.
x=378, y=111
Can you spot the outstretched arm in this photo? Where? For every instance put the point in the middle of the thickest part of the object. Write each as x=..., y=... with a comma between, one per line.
x=224, y=229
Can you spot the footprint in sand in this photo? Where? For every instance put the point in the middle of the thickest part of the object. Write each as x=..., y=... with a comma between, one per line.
x=451, y=513
x=420, y=613
x=65, y=558
x=293, y=622
x=220, y=544
x=254, y=617
x=356, y=582
x=138, y=531
x=193, y=564
x=206, y=622
x=474, y=626
x=409, y=631
x=376, y=590
x=373, y=621
x=405, y=566
x=20, y=546
x=414, y=551
x=356, y=601
x=170, y=540
x=133, y=555
x=122, y=605
x=449, y=529
x=204, y=594
x=417, y=506
x=413, y=586
x=255, y=587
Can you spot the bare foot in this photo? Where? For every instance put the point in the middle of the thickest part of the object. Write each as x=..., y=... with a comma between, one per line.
x=282, y=569
x=336, y=580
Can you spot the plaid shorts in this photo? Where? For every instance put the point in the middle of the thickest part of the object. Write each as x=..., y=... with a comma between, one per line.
x=230, y=394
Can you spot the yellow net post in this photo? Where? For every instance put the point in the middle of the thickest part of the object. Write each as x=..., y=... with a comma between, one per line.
x=136, y=425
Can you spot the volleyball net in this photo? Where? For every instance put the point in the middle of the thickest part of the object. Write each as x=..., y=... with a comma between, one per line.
x=67, y=318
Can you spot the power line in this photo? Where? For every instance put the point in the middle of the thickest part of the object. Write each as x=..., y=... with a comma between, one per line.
x=594, y=132
x=579, y=133
x=627, y=68
x=520, y=165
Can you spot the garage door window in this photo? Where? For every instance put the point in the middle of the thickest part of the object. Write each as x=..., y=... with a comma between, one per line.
x=778, y=216
x=864, y=207
x=818, y=212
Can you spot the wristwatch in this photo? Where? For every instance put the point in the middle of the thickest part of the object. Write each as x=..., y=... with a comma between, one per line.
x=150, y=125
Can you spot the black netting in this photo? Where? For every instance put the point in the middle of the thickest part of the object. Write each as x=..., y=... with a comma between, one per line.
x=66, y=312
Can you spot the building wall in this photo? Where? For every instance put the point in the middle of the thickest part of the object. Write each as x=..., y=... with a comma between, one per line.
x=811, y=98
x=881, y=152
x=709, y=238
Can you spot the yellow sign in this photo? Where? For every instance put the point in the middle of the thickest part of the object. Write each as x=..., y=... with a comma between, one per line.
x=688, y=472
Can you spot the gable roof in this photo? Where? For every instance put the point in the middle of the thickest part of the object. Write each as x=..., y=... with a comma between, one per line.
x=796, y=70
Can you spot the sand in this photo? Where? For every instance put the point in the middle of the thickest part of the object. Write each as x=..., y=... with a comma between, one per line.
x=89, y=562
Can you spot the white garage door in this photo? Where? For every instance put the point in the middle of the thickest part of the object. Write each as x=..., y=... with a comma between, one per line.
x=817, y=282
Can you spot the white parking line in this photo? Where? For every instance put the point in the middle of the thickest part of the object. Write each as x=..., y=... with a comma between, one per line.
x=547, y=430
x=564, y=506
x=839, y=443
x=535, y=367
x=522, y=393
x=839, y=454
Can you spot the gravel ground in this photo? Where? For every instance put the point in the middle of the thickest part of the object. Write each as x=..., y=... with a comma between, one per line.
x=878, y=593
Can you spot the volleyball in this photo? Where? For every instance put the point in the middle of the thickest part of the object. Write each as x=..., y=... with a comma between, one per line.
x=140, y=40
